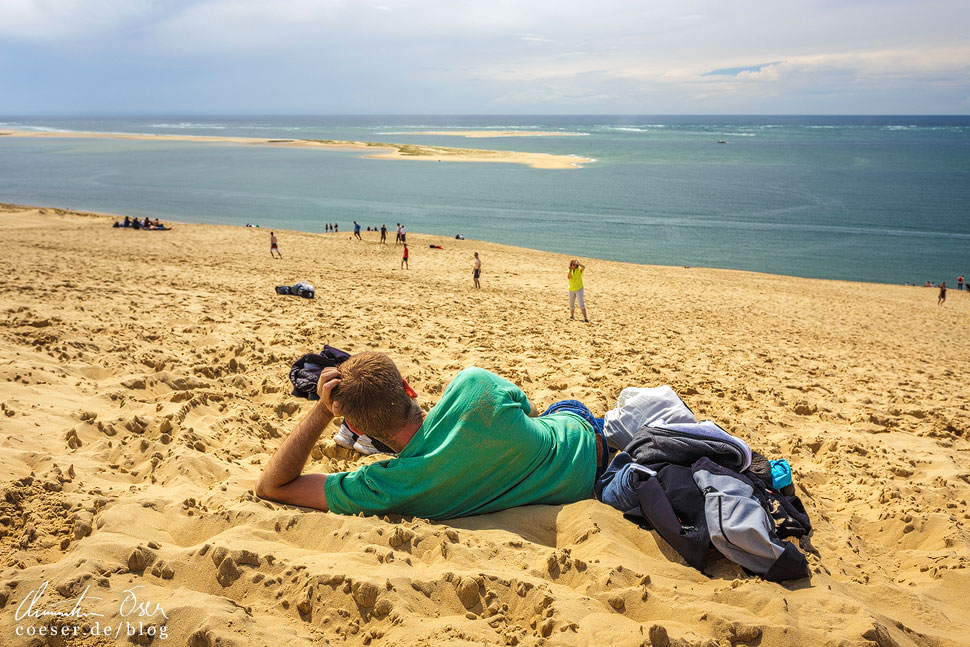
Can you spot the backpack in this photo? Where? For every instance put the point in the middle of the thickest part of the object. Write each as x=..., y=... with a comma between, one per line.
x=695, y=506
x=741, y=525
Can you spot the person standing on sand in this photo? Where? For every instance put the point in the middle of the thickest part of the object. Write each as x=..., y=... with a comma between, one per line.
x=404, y=261
x=477, y=271
x=357, y=230
x=942, y=298
x=273, y=248
x=383, y=234
x=575, y=277
x=960, y=282
x=397, y=236
x=404, y=235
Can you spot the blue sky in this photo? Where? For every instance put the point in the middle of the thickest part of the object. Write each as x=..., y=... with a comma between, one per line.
x=487, y=57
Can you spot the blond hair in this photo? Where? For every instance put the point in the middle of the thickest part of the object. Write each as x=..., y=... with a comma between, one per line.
x=372, y=397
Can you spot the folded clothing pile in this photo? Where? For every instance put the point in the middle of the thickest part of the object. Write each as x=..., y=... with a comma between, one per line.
x=301, y=289
x=698, y=486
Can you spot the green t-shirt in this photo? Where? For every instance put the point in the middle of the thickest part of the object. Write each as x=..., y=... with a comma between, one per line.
x=476, y=452
x=576, y=280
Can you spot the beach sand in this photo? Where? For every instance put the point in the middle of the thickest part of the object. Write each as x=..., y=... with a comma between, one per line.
x=417, y=152
x=143, y=381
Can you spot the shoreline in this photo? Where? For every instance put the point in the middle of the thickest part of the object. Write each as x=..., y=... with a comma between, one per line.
x=6, y=206
x=393, y=151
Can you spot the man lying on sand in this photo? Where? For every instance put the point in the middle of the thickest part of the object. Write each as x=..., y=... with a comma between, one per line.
x=480, y=449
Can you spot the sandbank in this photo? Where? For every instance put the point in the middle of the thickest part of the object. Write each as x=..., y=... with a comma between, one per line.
x=480, y=134
x=391, y=150
x=144, y=384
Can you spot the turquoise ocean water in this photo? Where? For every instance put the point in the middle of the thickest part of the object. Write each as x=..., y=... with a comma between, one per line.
x=881, y=199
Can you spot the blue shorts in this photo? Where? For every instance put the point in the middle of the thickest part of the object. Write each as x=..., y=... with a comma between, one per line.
x=581, y=410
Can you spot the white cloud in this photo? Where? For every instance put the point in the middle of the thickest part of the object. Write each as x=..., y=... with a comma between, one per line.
x=48, y=20
x=532, y=38
x=541, y=55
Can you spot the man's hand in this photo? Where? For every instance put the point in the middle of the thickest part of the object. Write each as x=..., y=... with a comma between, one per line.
x=328, y=382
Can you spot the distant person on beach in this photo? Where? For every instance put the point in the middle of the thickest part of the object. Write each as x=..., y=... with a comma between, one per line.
x=960, y=282
x=575, y=277
x=477, y=271
x=383, y=234
x=404, y=235
x=480, y=449
x=357, y=230
x=942, y=298
x=273, y=247
x=397, y=236
x=404, y=260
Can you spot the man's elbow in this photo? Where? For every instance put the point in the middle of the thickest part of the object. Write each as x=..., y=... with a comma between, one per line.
x=262, y=489
x=306, y=491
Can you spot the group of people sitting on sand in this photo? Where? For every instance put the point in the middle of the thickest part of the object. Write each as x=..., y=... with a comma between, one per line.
x=138, y=223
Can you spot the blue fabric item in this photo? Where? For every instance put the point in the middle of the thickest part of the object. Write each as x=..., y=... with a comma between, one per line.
x=780, y=473
x=616, y=488
x=581, y=410
x=610, y=490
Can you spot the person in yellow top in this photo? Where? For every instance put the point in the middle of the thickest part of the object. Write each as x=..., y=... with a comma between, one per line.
x=576, y=289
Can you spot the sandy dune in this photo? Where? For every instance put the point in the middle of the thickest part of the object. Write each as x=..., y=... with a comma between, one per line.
x=144, y=383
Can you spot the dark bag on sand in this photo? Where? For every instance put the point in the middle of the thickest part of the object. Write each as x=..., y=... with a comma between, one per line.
x=298, y=290
x=305, y=372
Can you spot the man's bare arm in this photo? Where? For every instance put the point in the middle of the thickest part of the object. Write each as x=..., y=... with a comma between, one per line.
x=282, y=479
